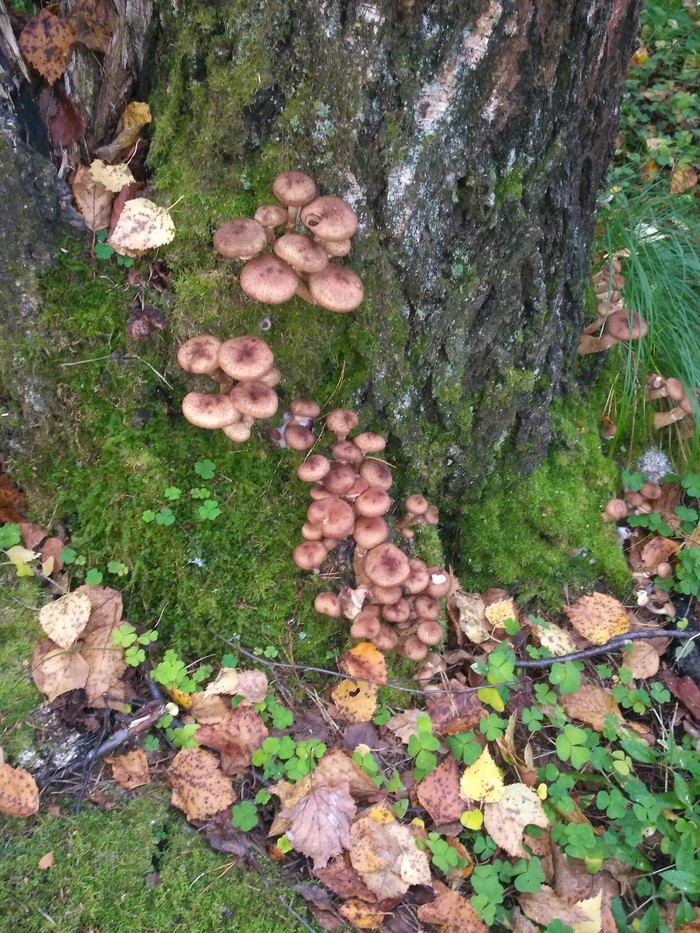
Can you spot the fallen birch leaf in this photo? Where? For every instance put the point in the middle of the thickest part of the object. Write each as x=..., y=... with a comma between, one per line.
x=499, y=612
x=320, y=822
x=598, y=617
x=404, y=724
x=45, y=42
x=19, y=795
x=130, y=769
x=106, y=606
x=467, y=612
x=386, y=856
x=199, y=787
x=92, y=199
x=207, y=710
x=21, y=557
x=252, y=686
x=355, y=700
x=341, y=878
x=65, y=618
x=93, y=22
x=364, y=661
x=226, y=683
x=451, y=912
x=136, y=115
x=142, y=225
x=113, y=177
x=438, y=793
x=453, y=708
x=554, y=638
x=544, y=907
x=56, y=671
x=236, y=736
x=105, y=660
x=591, y=704
x=482, y=781
x=642, y=659
x=505, y=819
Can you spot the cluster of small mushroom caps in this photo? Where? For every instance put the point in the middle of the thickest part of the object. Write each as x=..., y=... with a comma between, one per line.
x=296, y=262
x=395, y=602
x=244, y=369
x=615, y=323
x=656, y=387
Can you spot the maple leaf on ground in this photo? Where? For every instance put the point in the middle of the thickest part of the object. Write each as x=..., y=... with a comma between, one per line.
x=199, y=786
x=130, y=769
x=451, y=912
x=438, y=793
x=364, y=661
x=142, y=225
x=355, y=700
x=45, y=42
x=19, y=795
x=591, y=704
x=505, y=819
x=65, y=618
x=483, y=780
x=236, y=736
x=598, y=617
x=453, y=708
x=386, y=856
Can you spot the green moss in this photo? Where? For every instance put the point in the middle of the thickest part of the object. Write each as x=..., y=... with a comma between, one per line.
x=509, y=187
x=19, y=633
x=138, y=867
x=539, y=534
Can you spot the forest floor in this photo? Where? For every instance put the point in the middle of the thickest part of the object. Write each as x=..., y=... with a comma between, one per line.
x=538, y=769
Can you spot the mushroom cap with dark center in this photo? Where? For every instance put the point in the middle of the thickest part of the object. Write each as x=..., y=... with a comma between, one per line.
x=386, y=565
x=341, y=421
x=386, y=638
x=399, y=611
x=313, y=468
x=365, y=625
x=373, y=502
x=334, y=516
x=254, y=399
x=240, y=239
x=297, y=437
x=419, y=578
x=199, y=354
x=416, y=504
x=270, y=215
x=414, y=649
x=301, y=252
x=336, y=288
x=376, y=473
x=426, y=607
x=329, y=218
x=268, y=279
x=369, y=532
x=339, y=478
x=245, y=357
x=209, y=410
x=347, y=452
x=430, y=632
x=304, y=408
x=294, y=189
x=385, y=595
x=624, y=325
x=328, y=604
x=309, y=555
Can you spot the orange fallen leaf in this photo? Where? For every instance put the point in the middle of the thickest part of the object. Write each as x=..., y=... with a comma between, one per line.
x=236, y=736
x=130, y=769
x=19, y=795
x=591, y=704
x=45, y=42
x=598, y=617
x=355, y=700
x=46, y=861
x=199, y=787
x=365, y=661
x=360, y=915
x=451, y=912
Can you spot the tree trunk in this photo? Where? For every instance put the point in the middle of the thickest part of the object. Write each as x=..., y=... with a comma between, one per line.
x=472, y=139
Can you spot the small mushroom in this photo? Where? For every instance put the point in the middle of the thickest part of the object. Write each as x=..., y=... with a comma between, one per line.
x=386, y=565
x=336, y=288
x=329, y=218
x=626, y=325
x=341, y=421
x=328, y=604
x=294, y=190
x=301, y=253
x=309, y=555
x=268, y=279
x=254, y=399
x=210, y=411
x=270, y=216
x=200, y=355
x=240, y=239
x=245, y=358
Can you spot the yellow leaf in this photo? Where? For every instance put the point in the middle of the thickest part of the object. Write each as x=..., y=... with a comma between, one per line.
x=542, y=791
x=472, y=819
x=483, y=780
x=683, y=178
x=554, y=639
x=113, y=177
x=492, y=697
x=20, y=557
x=592, y=908
x=135, y=116
x=598, y=617
x=505, y=819
x=355, y=700
x=65, y=618
x=499, y=612
x=142, y=225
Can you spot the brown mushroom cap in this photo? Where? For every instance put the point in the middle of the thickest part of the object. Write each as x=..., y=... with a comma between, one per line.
x=414, y=649
x=239, y=431
x=426, y=607
x=440, y=583
x=271, y=378
x=311, y=532
x=254, y=399
x=309, y=555
x=615, y=510
x=430, y=632
x=369, y=442
x=386, y=565
x=336, y=288
x=341, y=421
x=268, y=279
x=373, y=502
x=369, y=532
x=336, y=248
x=313, y=468
x=301, y=252
x=199, y=354
x=294, y=189
x=418, y=579
x=399, y=611
x=365, y=625
x=270, y=215
x=674, y=389
x=386, y=638
x=211, y=411
x=304, y=408
x=297, y=437
x=339, y=478
x=328, y=604
x=626, y=325
x=416, y=504
x=376, y=473
x=333, y=516
x=348, y=452
x=245, y=357
x=240, y=239
x=329, y=218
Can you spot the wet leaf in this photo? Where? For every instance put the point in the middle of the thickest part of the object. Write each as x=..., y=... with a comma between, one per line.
x=62, y=119
x=130, y=769
x=56, y=671
x=106, y=606
x=19, y=795
x=142, y=225
x=598, y=617
x=505, y=819
x=45, y=43
x=643, y=660
x=199, y=786
x=64, y=619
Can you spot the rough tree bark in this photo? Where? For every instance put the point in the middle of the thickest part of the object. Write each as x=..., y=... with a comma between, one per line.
x=472, y=137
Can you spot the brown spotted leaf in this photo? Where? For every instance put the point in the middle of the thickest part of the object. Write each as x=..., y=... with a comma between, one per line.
x=142, y=225
x=355, y=700
x=385, y=854
x=199, y=786
x=453, y=708
x=93, y=200
x=439, y=794
x=404, y=724
x=598, y=617
x=45, y=43
x=19, y=795
x=554, y=639
x=113, y=177
x=342, y=879
x=320, y=822
x=56, y=671
x=451, y=912
x=130, y=769
x=105, y=606
x=65, y=618
x=106, y=662
x=591, y=704
x=93, y=22
x=360, y=915
x=364, y=661
x=63, y=120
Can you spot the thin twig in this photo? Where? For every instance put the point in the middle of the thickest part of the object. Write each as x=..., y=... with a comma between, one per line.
x=618, y=641
x=126, y=356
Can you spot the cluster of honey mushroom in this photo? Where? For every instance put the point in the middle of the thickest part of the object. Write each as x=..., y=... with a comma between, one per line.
x=288, y=246
x=244, y=369
x=615, y=323
x=395, y=603
x=656, y=387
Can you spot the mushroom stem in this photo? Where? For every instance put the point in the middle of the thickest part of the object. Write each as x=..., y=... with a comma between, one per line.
x=664, y=418
x=303, y=293
x=292, y=215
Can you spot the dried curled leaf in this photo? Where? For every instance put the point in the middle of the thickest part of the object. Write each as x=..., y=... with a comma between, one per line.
x=94, y=201
x=598, y=617
x=131, y=769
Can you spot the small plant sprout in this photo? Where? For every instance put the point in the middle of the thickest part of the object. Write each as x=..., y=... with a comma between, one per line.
x=422, y=746
x=205, y=469
x=244, y=815
x=126, y=636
